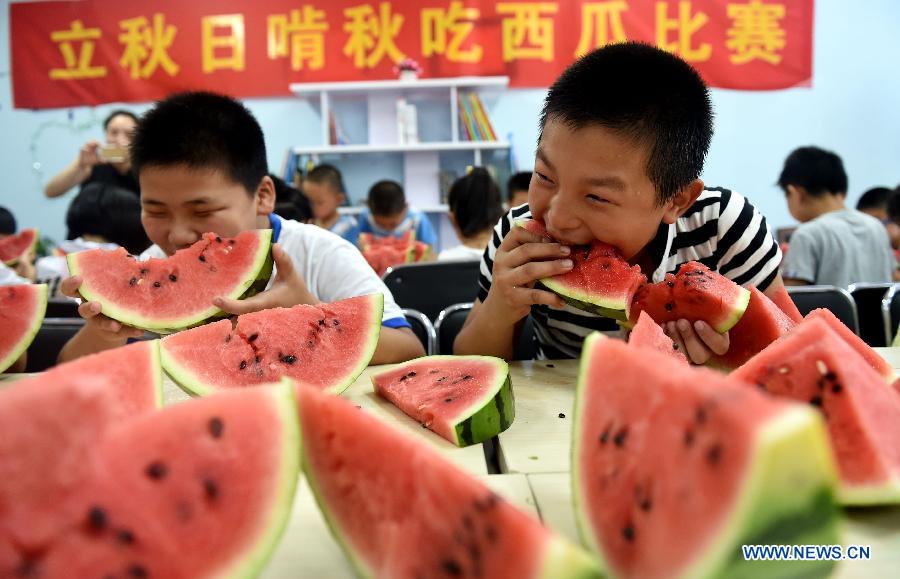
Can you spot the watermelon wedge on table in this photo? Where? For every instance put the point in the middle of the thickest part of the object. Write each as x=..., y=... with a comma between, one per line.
x=647, y=334
x=401, y=511
x=600, y=282
x=326, y=346
x=675, y=467
x=872, y=358
x=52, y=422
x=762, y=323
x=165, y=295
x=14, y=247
x=22, y=309
x=199, y=489
x=465, y=399
x=813, y=364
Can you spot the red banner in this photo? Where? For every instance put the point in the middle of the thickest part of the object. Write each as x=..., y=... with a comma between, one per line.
x=88, y=52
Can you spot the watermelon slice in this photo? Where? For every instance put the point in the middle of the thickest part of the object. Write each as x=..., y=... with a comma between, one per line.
x=782, y=299
x=676, y=467
x=213, y=478
x=400, y=510
x=326, y=346
x=15, y=247
x=165, y=295
x=22, y=309
x=694, y=293
x=385, y=252
x=60, y=416
x=648, y=334
x=872, y=358
x=601, y=281
x=465, y=399
x=762, y=323
x=814, y=364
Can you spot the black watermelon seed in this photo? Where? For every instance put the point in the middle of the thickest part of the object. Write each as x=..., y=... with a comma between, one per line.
x=441, y=379
x=628, y=533
x=701, y=415
x=132, y=281
x=243, y=364
x=289, y=359
x=714, y=454
x=96, y=518
x=137, y=571
x=157, y=284
x=257, y=358
x=837, y=388
x=157, y=470
x=669, y=307
x=688, y=437
x=125, y=537
x=561, y=415
x=227, y=338
x=674, y=346
x=218, y=239
x=173, y=277
x=144, y=271
x=646, y=505
x=830, y=376
x=816, y=401
x=322, y=322
x=551, y=366
x=29, y=565
x=211, y=489
x=202, y=258
x=670, y=283
x=411, y=374
x=231, y=241
x=451, y=567
x=604, y=436
x=216, y=426
x=490, y=534
x=468, y=523
x=467, y=377
x=434, y=371
x=252, y=337
x=310, y=344
x=448, y=400
x=335, y=322
x=619, y=438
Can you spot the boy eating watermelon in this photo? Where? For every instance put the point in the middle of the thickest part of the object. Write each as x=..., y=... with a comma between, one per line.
x=624, y=133
x=201, y=162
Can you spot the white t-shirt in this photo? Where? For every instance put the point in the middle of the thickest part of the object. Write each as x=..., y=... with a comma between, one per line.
x=461, y=253
x=8, y=276
x=332, y=268
x=52, y=269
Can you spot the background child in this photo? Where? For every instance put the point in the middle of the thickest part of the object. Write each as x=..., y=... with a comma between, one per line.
x=201, y=160
x=517, y=189
x=388, y=215
x=624, y=133
x=324, y=186
x=474, y=207
x=23, y=271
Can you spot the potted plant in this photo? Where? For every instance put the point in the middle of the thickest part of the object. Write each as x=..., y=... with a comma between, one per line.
x=407, y=69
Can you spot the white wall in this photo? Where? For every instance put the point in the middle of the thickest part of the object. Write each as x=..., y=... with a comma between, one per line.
x=853, y=108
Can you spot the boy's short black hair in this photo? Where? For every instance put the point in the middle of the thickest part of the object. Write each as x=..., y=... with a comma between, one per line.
x=7, y=222
x=475, y=202
x=110, y=212
x=818, y=171
x=386, y=198
x=517, y=182
x=326, y=174
x=290, y=202
x=643, y=93
x=874, y=198
x=202, y=130
x=117, y=113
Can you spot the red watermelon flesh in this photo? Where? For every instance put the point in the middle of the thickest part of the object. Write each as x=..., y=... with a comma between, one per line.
x=814, y=364
x=871, y=357
x=199, y=489
x=60, y=415
x=465, y=399
x=782, y=299
x=762, y=323
x=326, y=346
x=165, y=295
x=600, y=282
x=676, y=467
x=648, y=334
x=402, y=511
x=22, y=309
x=15, y=247
x=694, y=293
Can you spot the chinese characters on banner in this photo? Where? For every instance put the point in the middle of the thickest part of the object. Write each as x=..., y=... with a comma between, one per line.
x=97, y=51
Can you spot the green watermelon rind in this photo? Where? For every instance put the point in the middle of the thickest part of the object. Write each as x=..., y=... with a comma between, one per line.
x=735, y=313
x=31, y=332
x=193, y=383
x=606, y=307
x=254, y=561
x=565, y=560
x=259, y=269
x=796, y=436
x=156, y=364
x=884, y=493
x=12, y=262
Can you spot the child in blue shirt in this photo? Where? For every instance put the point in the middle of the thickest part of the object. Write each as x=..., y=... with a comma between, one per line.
x=324, y=187
x=388, y=215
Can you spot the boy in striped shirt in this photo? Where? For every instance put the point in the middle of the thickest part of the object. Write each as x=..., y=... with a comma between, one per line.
x=624, y=133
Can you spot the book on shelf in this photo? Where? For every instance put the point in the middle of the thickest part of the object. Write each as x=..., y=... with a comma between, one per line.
x=473, y=119
x=335, y=134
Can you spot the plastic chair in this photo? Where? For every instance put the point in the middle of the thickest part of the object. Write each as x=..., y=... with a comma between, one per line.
x=450, y=321
x=66, y=309
x=422, y=328
x=890, y=312
x=868, y=298
x=431, y=287
x=836, y=299
x=50, y=339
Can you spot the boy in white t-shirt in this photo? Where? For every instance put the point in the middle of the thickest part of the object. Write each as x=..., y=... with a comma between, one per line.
x=201, y=162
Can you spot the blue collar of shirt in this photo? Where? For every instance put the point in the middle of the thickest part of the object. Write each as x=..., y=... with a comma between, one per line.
x=275, y=222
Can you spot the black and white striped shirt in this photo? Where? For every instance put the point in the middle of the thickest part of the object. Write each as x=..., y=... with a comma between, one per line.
x=721, y=230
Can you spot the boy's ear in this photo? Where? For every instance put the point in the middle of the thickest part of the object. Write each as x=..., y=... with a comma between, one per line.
x=265, y=196
x=682, y=200
x=797, y=191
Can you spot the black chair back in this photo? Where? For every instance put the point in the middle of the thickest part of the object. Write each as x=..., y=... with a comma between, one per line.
x=422, y=328
x=890, y=313
x=868, y=298
x=62, y=309
x=836, y=299
x=49, y=341
x=431, y=287
x=450, y=321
